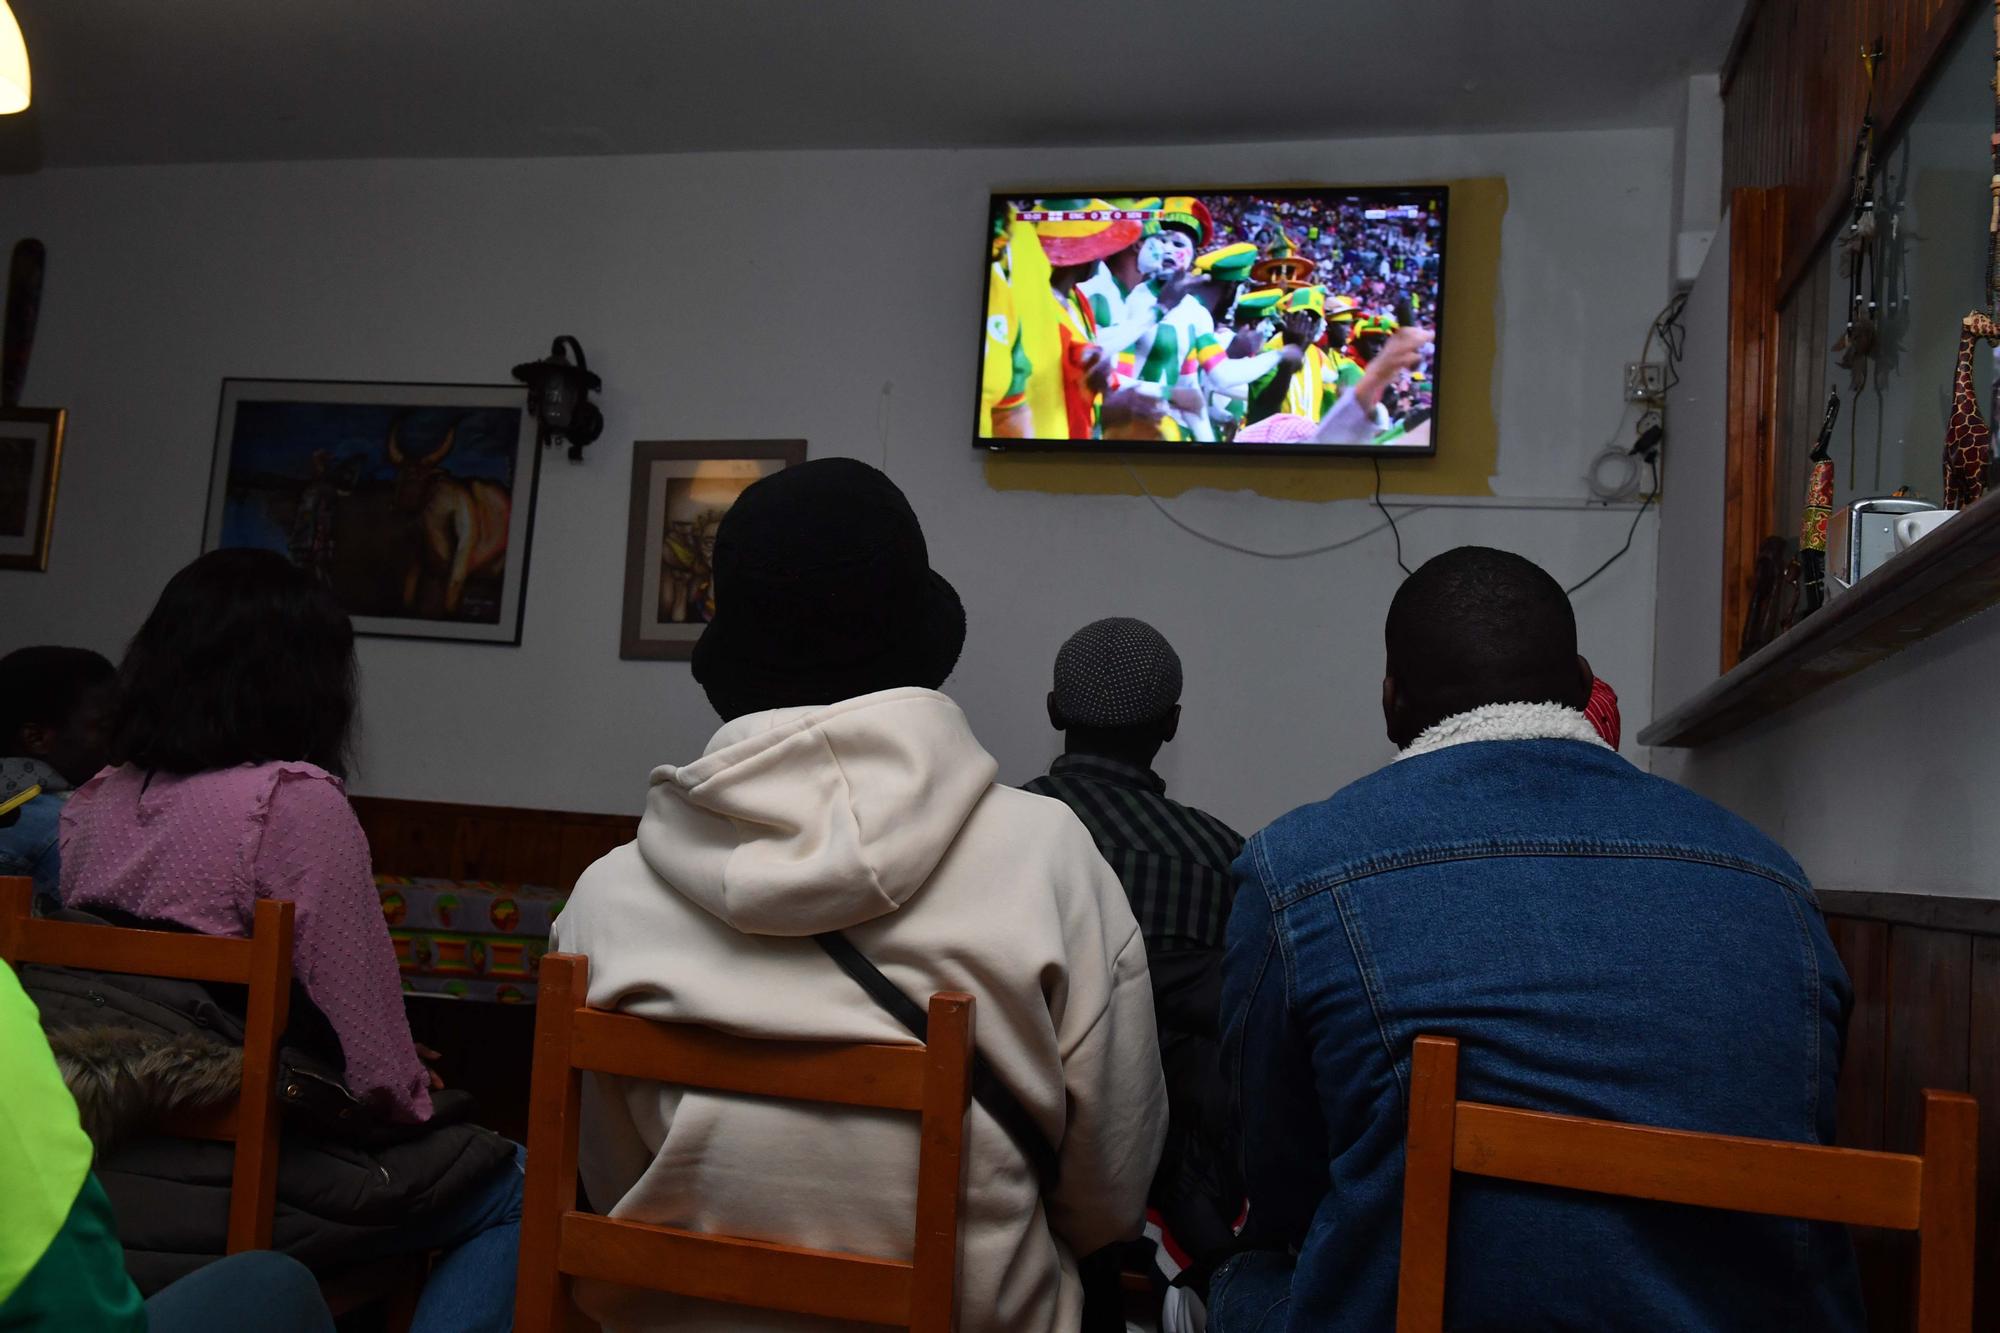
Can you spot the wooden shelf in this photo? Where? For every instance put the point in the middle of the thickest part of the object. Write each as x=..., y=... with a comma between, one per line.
x=1952, y=574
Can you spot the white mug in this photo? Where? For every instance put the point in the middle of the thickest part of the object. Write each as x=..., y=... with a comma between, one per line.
x=1913, y=528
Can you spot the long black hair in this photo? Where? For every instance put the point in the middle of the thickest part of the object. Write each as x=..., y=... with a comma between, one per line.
x=244, y=660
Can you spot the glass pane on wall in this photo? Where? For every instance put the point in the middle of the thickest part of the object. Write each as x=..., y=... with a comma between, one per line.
x=1933, y=202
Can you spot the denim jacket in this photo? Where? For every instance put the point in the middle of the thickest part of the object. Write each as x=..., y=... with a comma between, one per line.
x=1601, y=943
x=29, y=842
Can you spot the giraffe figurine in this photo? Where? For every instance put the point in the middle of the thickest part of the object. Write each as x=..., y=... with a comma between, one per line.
x=1968, y=440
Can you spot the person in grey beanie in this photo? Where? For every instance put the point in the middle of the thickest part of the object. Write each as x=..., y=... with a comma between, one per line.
x=1116, y=699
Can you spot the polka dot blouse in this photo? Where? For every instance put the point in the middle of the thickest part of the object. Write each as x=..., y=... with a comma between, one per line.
x=200, y=850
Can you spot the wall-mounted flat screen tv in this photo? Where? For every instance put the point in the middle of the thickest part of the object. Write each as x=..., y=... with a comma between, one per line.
x=1237, y=321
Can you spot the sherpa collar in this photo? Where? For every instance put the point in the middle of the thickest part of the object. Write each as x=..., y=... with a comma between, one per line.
x=1507, y=722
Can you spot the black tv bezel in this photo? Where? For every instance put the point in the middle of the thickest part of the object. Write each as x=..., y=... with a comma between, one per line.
x=1400, y=193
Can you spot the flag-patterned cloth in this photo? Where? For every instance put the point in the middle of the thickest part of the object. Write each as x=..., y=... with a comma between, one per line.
x=1602, y=710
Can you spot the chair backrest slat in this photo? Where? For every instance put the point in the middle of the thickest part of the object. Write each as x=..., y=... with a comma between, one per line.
x=1946, y=1235
x=819, y=1283
x=940, y=1164
x=890, y=1077
x=1675, y=1166
x=1932, y=1194
x=558, y=1242
x=137, y=953
x=262, y=963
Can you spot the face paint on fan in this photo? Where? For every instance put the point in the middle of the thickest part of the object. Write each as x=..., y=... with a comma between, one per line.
x=1168, y=253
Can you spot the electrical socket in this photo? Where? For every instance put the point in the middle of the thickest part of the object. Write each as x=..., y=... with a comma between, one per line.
x=1644, y=380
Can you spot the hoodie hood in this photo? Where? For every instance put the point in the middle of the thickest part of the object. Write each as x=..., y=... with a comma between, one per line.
x=805, y=820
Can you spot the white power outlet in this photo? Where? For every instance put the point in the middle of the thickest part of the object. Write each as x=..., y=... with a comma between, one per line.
x=1644, y=380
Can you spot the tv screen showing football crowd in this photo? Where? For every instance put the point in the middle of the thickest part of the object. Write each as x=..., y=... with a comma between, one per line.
x=1226, y=321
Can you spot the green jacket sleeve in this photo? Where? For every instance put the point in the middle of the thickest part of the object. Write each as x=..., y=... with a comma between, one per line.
x=80, y=1281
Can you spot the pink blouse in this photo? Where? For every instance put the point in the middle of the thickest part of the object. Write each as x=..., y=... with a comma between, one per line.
x=200, y=850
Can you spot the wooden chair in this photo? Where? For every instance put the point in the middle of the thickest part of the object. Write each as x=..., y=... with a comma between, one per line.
x=558, y=1241
x=263, y=963
x=1932, y=1195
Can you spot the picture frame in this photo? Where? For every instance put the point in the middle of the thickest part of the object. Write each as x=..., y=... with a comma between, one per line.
x=412, y=502
x=680, y=491
x=31, y=441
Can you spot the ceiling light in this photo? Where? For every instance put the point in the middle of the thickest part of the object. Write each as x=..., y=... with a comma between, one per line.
x=14, y=89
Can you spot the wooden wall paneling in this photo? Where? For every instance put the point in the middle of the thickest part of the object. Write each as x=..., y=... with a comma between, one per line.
x=1930, y=994
x=1983, y=1056
x=480, y=847
x=1794, y=88
x=404, y=839
x=583, y=844
x=1886, y=1258
x=545, y=848
x=1755, y=220
x=1864, y=948
x=534, y=852
x=1926, y=974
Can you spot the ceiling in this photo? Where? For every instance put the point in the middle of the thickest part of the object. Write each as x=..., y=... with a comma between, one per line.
x=119, y=81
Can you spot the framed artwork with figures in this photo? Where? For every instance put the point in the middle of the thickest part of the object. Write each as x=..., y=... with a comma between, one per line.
x=411, y=503
x=31, y=440
x=680, y=491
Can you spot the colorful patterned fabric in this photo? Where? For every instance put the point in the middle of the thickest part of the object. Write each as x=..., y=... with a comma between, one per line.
x=468, y=939
x=1602, y=710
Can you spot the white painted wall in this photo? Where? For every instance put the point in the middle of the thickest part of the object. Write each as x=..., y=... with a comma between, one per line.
x=1884, y=782
x=1687, y=642
x=1697, y=175
x=833, y=296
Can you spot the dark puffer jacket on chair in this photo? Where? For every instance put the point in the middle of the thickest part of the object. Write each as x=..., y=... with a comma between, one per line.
x=135, y=1049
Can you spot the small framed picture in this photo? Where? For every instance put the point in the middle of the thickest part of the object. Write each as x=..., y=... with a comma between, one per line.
x=680, y=491
x=411, y=503
x=31, y=440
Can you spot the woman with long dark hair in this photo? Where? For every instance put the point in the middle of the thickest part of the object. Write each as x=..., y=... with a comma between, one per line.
x=228, y=744
x=237, y=700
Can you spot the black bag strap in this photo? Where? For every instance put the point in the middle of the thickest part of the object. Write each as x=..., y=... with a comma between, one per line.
x=987, y=1089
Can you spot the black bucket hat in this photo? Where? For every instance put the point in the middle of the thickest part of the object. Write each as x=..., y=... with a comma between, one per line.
x=824, y=591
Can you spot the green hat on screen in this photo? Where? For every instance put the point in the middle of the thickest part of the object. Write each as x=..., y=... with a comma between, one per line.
x=1229, y=263
x=1311, y=299
x=1257, y=304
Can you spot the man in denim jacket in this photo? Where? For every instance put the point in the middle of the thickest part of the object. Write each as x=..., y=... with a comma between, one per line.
x=1600, y=942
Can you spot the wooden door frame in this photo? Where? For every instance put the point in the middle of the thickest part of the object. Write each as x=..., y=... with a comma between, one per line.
x=1756, y=259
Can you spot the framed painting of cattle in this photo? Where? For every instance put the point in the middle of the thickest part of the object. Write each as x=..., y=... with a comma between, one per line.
x=412, y=503
x=680, y=491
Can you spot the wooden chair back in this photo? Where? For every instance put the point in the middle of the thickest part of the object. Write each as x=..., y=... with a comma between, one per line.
x=1932, y=1195
x=557, y=1241
x=263, y=963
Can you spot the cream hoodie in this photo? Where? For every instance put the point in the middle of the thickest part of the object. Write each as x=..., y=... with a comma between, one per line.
x=878, y=816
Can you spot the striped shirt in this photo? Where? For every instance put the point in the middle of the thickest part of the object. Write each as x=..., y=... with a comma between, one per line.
x=1172, y=859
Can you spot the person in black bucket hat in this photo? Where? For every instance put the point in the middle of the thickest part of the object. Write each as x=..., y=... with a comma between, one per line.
x=845, y=817
x=824, y=592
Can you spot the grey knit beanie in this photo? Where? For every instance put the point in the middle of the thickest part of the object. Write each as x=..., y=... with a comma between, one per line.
x=1115, y=673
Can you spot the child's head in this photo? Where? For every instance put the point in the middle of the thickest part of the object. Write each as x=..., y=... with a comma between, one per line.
x=55, y=704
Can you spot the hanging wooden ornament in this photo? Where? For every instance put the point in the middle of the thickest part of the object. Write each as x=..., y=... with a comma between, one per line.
x=1968, y=440
x=1858, y=250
